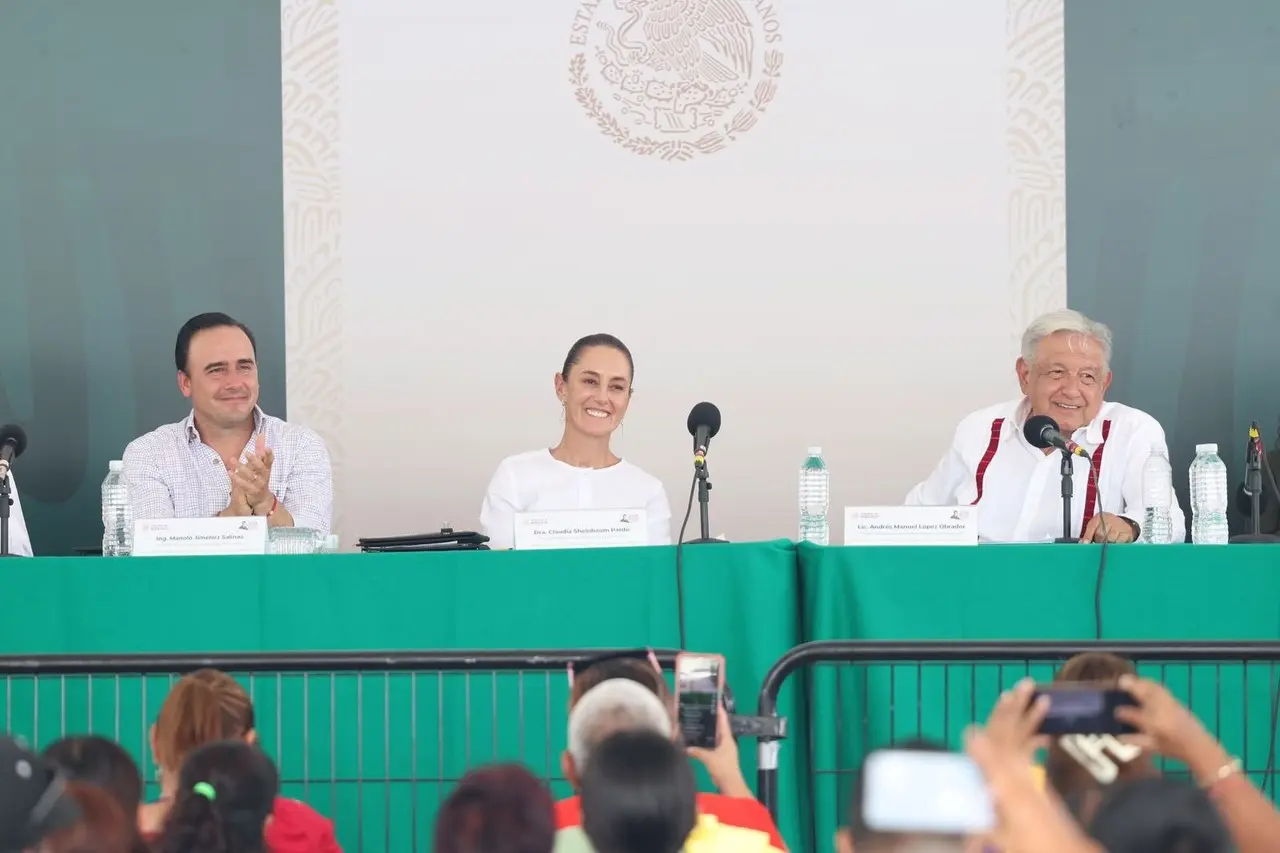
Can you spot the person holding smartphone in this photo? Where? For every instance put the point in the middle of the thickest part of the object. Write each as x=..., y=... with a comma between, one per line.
x=581, y=472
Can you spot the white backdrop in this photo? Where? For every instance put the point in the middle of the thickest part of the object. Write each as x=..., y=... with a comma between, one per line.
x=834, y=225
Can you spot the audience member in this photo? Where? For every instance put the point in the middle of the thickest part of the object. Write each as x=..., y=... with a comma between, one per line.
x=1080, y=767
x=857, y=836
x=638, y=795
x=208, y=706
x=734, y=805
x=103, y=827
x=497, y=809
x=98, y=761
x=34, y=801
x=1157, y=815
x=222, y=802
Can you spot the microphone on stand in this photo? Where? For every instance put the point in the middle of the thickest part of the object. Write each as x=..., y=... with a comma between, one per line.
x=13, y=440
x=1250, y=496
x=703, y=424
x=1042, y=431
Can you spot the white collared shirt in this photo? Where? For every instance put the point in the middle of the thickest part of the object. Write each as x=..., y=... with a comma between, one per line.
x=19, y=539
x=537, y=481
x=171, y=473
x=1022, y=486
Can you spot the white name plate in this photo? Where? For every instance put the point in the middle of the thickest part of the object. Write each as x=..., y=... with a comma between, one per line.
x=199, y=537
x=581, y=528
x=911, y=525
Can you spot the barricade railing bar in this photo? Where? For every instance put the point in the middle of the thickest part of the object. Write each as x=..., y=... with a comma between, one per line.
x=898, y=687
x=486, y=660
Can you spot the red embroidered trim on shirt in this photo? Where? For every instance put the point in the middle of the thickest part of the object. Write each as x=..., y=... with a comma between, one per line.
x=1095, y=471
x=996, y=426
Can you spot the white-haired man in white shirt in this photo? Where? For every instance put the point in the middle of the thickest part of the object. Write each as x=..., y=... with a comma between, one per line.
x=1064, y=372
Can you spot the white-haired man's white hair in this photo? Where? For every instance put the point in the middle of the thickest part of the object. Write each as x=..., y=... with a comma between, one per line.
x=618, y=704
x=1065, y=320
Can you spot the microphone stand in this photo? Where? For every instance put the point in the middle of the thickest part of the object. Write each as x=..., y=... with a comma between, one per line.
x=1068, y=470
x=1253, y=485
x=704, y=499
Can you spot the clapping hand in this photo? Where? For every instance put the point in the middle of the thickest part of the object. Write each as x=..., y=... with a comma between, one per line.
x=253, y=478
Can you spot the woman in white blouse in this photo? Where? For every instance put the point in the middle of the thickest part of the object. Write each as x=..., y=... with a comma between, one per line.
x=580, y=472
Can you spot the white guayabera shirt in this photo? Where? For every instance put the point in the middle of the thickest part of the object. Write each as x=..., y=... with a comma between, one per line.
x=1017, y=487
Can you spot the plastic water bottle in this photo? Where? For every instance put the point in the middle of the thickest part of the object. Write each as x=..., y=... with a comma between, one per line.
x=117, y=513
x=1208, y=497
x=1157, y=489
x=815, y=498
x=294, y=540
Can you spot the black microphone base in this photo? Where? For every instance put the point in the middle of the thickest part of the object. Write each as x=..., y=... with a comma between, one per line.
x=706, y=541
x=1255, y=539
x=1066, y=540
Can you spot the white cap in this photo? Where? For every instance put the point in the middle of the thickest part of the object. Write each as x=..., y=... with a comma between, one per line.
x=115, y=465
x=815, y=451
x=331, y=542
x=1206, y=448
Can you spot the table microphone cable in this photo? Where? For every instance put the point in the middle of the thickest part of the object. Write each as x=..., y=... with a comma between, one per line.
x=680, y=561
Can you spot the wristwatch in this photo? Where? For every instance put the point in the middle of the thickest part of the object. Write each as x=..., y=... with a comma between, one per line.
x=1134, y=526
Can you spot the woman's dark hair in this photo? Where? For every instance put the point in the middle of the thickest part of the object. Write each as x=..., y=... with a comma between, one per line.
x=105, y=764
x=598, y=340
x=243, y=783
x=502, y=808
x=98, y=761
x=103, y=826
x=638, y=795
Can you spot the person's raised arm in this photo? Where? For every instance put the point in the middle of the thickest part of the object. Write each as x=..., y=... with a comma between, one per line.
x=1168, y=728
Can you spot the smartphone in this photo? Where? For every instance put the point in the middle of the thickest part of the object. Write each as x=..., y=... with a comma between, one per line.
x=1082, y=709
x=699, y=692
x=925, y=792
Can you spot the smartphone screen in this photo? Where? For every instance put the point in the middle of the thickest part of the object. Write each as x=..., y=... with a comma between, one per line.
x=935, y=793
x=699, y=685
x=1084, y=710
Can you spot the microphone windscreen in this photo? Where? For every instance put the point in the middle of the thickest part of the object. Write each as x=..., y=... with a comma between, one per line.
x=1034, y=430
x=15, y=434
x=707, y=415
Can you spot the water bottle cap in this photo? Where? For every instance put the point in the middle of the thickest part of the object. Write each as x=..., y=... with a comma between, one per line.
x=1206, y=448
x=115, y=465
x=815, y=451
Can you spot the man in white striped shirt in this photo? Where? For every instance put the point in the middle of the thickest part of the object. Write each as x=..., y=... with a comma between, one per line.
x=227, y=457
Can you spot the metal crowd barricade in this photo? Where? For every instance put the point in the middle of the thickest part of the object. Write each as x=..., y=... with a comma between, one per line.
x=373, y=740
x=864, y=695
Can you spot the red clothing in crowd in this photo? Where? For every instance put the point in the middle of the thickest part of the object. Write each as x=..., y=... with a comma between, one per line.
x=295, y=827
x=730, y=811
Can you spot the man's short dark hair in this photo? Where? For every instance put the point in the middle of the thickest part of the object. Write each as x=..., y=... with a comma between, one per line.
x=863, y=834
x=198, y=323
x=638, y=795
x=1159, y=815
